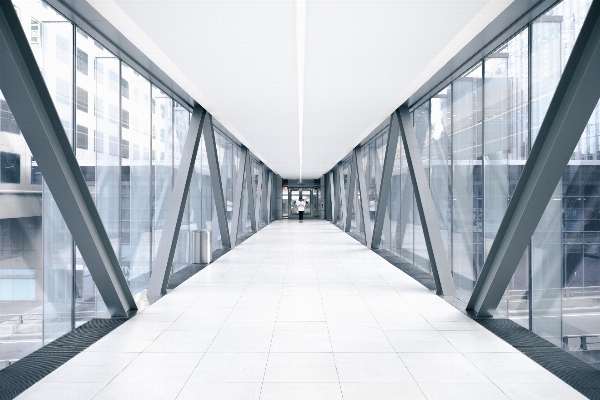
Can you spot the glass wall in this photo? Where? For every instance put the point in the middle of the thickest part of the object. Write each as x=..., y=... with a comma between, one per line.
x=135, y=178
x=373, y=154
x=475, y=136
x=36, y=248
x=181, y=124
x=128, y=137
x=565, y=273
x=421, y=123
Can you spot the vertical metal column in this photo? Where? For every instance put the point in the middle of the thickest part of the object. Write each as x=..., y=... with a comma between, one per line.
x=23, y=85
x=251, y=193
x=215, y=179
x=351, y=190
x=168, y=239
x=364, y=196
x=431, y=229
x=238, y=197
x=574, y=100
x=386, y=180
x=336, y=195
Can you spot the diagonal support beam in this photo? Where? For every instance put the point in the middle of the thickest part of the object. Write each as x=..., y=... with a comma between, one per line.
x=364, y=196
x=251, y=193
x=238, y=197
x=215, y=180
x=431, y=229
x=350, y=195
x=163, y=262
x=574, y=100
x=23, y=86
x=386, y=180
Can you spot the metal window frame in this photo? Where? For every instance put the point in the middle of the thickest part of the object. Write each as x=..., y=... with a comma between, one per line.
x=572, y=104
x=215, y=180
x=163, y=263
x=438, y=259
x=385, y=186
x=25, y=90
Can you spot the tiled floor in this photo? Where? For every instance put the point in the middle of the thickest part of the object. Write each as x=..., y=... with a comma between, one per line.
x=300, y=311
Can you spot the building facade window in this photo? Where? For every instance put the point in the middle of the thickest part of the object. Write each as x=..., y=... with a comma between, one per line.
x=10, y=167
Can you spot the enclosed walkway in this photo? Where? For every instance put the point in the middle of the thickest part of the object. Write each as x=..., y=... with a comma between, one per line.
x=300, y=311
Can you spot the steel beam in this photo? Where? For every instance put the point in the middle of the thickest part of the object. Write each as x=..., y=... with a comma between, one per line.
x=251, y=193
x=23, y=86
x=215, y=179
x=440, y=266
x=350, y=195
x=386, y=181
x=574, y=100
x=238, y=197
x=161, y=270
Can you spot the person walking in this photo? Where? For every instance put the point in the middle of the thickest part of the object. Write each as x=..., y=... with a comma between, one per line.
x=372, y=207
x=301, y=204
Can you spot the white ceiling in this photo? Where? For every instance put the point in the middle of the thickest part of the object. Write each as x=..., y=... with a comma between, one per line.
x=238, y=59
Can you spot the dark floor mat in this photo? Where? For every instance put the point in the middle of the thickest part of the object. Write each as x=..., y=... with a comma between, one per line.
x=18, y=377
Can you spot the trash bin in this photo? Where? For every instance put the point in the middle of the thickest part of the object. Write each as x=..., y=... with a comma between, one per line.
x=201, y=251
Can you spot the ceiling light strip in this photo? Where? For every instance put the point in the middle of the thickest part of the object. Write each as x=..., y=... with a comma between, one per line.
x=300, y=50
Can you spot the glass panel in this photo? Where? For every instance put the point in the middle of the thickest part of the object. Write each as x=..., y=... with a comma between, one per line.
x=405, y=229
x=467, y=212
x=441, y=163
x=223, y=157
x=98, y=153
x=162, y=160
x=422, y=126
x=36, y=263
x=51, y=39
x=506, y=147
x=181, y=116
x=231, y=160
x=284, y=202
x=565, y=243
x=22, y=259
x=390, y=232
x=135, y=178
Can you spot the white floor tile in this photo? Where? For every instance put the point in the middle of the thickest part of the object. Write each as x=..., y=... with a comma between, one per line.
x=300, y=311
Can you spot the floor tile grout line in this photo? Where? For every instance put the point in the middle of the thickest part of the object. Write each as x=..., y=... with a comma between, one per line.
x=330, y=342
x=386, y=336
x=272, y=333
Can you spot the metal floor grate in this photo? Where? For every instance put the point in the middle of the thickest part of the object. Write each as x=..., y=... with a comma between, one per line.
x=18, y=377
x=578, y=374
